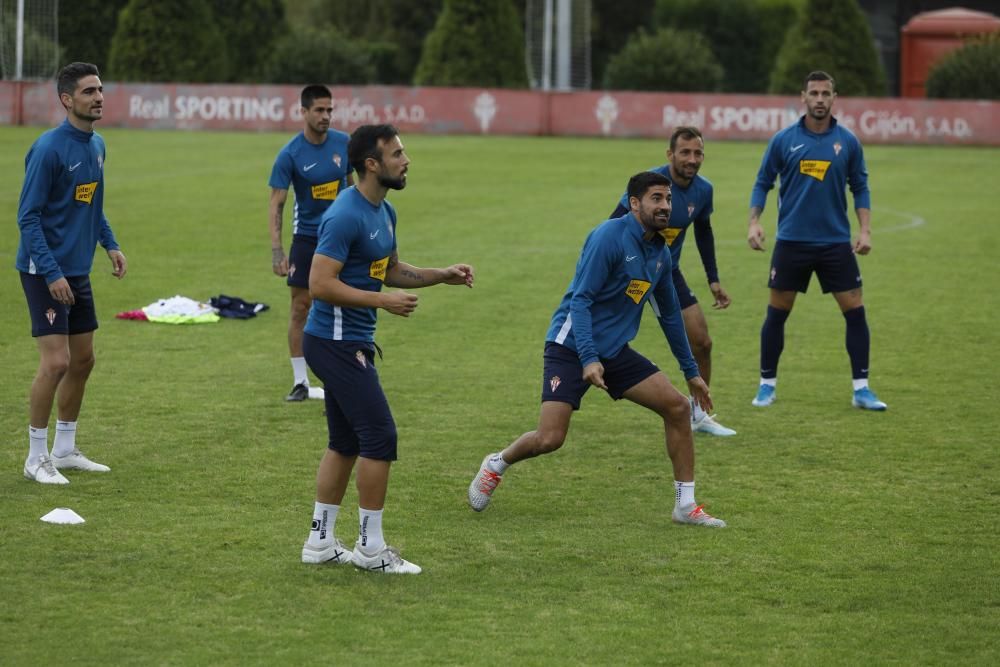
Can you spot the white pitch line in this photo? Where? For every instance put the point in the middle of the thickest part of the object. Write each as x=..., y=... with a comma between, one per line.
x=913, y=220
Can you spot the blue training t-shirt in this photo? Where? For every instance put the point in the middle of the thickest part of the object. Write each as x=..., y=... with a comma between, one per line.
x=61, y=212
x=317, y=172
x=363, y=237
x=618, y=272
x=690, y=205
x=815, y=171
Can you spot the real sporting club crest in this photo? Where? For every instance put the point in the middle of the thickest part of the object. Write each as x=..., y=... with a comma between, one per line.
x=554, y=382
x=336, y=159
x=837, y=148
x=360, y=356
x=690, y=210
x=50, y=315
x=291, y=270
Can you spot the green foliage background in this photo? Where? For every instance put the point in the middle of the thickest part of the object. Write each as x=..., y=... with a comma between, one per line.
x=834, y=36
x=474, y=43
x=854, y=538
x=668, y=60
x=168, y=41
x=972, y=72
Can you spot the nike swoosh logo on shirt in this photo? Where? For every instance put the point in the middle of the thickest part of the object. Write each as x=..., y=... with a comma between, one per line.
x=371, y=236
x=629, y=259
x=75, y=166
x=795, y=148
x=308, y=167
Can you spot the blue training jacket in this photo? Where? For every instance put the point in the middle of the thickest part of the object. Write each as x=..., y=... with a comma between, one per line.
x=61, y=212
x=815, y=170
x=618, y=272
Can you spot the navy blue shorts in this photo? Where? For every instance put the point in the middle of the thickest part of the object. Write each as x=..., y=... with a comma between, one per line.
x=562, y=375
x=792, y=265
x=684, y=294
x=300, y=260
x=49, y=317
x=357, y=412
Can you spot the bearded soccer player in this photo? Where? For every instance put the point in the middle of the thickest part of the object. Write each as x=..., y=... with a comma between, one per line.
x=692, y=207
x=817, y=159
x=357, y=255
x=624, y=265
x=315, y=163
x=61, y=219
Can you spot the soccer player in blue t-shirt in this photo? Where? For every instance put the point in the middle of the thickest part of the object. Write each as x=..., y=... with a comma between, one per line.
x=61, y=219
x=355, y=256
x=625, y=263
x=692, y=206
x=315, y=163
x=817, y=160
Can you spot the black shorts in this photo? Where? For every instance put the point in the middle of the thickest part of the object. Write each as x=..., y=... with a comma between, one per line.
x=49, y=317
x=562, y=375
x=300, y=260
x=685, y=296
x=357, y=412
x=792, y=265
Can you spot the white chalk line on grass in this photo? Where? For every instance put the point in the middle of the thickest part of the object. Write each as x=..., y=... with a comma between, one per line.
x=912, y=221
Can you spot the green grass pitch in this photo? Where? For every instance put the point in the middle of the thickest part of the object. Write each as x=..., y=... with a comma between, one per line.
x=854, y=538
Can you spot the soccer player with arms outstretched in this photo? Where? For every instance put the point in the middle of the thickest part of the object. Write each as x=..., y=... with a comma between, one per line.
x=624, y=265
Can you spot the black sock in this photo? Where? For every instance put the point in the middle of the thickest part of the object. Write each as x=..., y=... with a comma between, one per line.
x=772, y=341
x=858, y=342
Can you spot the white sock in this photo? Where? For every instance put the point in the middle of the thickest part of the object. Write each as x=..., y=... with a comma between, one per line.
x=38, y=443
x=683, y=493
x=770, y=381
x=860, y=384
x=497, y=464
x=696, y=412
x=65, y=440
x=323, y=523
x=299, y=370
x=370, y=530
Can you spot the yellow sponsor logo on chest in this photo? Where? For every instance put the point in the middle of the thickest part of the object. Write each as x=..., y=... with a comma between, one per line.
x=670, y=234
x=85, y=192
x=815, y=168
x=637, y=289
x=377, y=269
x=326, y=190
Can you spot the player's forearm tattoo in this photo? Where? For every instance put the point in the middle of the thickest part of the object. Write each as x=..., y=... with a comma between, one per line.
x=412, y=275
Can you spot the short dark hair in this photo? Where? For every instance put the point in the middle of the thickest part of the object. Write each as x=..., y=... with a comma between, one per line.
x=686, y=132
x=71, y=74
x=312, y=93
x=364, y=144
x=640, y=184
x=818, y=75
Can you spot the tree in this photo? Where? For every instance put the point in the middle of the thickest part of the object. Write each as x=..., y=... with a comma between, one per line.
x=167, y=41
x=318, y=55
x=86, y=28
x=474, y=43
x=966, y=72
x=747, y=62
x=611, y=27
x=669, y=60
x=833, y=36
x=250, y=29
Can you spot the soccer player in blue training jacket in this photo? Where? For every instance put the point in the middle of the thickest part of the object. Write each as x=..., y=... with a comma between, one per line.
x=61, y=219
x=692, y=205
x=625, y=263
x=817, y=160
x=357, y=255
x=315, y=163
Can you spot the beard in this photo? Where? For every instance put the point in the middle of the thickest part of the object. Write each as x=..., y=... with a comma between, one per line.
x=392, y=183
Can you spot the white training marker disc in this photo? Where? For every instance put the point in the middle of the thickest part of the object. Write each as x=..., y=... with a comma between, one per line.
x=62, y=515
x=317, y=393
